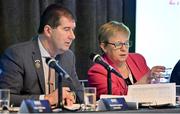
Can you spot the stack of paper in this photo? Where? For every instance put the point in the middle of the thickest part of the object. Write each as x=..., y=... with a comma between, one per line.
x=153, y=94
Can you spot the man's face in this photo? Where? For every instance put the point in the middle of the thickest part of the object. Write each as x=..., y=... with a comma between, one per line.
x=63, y=35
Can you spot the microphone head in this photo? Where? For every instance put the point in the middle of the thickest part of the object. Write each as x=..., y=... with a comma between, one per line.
x=91, y=56
x=51, y=62
x=94, y=57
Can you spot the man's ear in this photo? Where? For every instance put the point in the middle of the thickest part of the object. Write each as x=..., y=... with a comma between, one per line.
x=47, y=30
x=102, y=46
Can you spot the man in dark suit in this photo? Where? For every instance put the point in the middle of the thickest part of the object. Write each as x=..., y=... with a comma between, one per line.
x=23, y=66
x=175, y=75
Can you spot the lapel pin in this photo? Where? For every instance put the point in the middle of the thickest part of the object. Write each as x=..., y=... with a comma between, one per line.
x=37, y=64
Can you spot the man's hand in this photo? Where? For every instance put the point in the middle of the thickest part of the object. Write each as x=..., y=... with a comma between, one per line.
x=68, y=97
x=52, y=98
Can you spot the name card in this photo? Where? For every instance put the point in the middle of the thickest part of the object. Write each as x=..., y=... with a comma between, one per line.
x=112, y=104
x=33, y=106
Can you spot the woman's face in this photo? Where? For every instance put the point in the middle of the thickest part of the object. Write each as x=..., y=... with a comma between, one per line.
x=117, y=48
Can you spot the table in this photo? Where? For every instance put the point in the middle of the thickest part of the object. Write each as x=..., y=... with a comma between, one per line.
x=141, y=110
x=166, y=110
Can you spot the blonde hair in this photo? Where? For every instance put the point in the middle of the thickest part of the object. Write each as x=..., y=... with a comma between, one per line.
x=111, y=28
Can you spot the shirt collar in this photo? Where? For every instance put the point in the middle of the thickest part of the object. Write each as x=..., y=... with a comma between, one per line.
x=43, y=51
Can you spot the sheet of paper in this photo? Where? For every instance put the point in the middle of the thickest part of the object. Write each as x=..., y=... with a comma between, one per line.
x=153, y=94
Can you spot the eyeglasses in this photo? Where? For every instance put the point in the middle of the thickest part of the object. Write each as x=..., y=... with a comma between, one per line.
x=120, y=44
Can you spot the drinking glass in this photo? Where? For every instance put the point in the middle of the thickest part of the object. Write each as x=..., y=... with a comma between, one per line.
x=163, y=77
x=4, y=99
x=90, y=98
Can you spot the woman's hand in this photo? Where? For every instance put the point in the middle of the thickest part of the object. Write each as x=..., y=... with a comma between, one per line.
x=146, y=79
x=155, y=71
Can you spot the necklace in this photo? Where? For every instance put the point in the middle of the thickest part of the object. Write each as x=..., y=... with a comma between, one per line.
x=129, y=74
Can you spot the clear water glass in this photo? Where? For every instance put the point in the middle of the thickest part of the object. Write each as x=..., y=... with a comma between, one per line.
x=4, y=99
x=163, y=77
x=90, y=98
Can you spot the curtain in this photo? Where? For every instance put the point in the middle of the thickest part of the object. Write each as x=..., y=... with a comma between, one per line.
x=19, y=21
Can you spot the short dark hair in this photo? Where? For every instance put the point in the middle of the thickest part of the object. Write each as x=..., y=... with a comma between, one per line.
x=52, y=15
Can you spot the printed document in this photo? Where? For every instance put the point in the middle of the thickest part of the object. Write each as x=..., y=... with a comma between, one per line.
x=153, y=94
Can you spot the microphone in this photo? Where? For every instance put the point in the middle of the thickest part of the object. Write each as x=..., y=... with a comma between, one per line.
x=54, y=64
x=98, y=59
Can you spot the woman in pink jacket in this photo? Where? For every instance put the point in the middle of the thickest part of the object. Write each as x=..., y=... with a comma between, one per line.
x=114, y=42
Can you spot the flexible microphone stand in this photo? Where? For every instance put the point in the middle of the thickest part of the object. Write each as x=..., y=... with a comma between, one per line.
x=60, y=92
x=109, y=87
x=51, y=63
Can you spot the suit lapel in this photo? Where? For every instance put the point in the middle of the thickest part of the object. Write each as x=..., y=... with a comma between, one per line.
x=38, y=64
